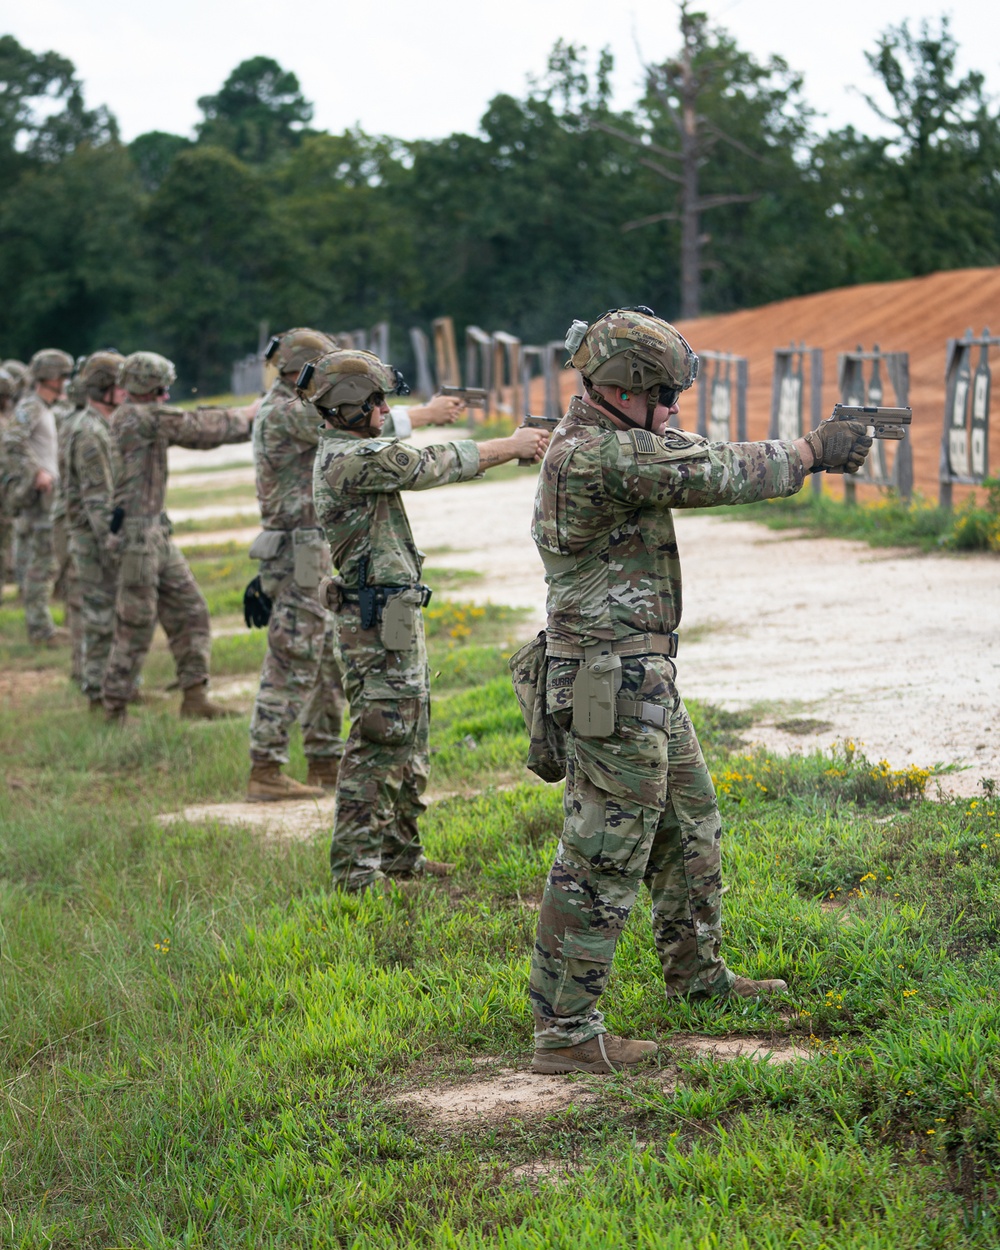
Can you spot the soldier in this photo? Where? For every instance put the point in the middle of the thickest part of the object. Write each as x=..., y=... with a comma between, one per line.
x=357, y=485
x=17, y=547
x=8, y=397
x=66, y=585
x=639, y=801
x=300, y=677
x=154, y=580
x=32, y=474
x=91, y=471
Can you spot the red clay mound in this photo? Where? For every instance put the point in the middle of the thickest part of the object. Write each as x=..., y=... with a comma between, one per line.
x=917, y=315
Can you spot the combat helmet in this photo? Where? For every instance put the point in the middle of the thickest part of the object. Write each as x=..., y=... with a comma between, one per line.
x=9, y=387
x=291, y=351
x=50, y=363
x=143, y=373
x=18, y=370
x=99, y=373
x=633, y=349
x=348, y=384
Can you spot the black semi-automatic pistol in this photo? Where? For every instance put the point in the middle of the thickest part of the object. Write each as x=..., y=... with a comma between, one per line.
x=883, y=422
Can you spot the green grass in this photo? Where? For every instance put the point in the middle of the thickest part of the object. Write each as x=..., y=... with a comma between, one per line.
x=200, y=1043
x=887, y=522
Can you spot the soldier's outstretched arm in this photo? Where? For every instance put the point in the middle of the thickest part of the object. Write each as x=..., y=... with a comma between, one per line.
x=207, y=427
x=681, y=470
x=380, y=468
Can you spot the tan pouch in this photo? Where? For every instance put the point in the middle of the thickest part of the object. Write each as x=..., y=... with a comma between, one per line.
x=268, y=545
x=594, y=690
x=398, y=627
x=547, y=745
x=311, y=557
x=138, y=566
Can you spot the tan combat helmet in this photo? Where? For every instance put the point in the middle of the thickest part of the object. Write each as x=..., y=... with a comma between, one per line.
x=18, y=370
x=10, y=389
x=291, y=351
x=49, y=364
x=347, y=385
x=635, y=350
x=99, y=374
x=145, y=373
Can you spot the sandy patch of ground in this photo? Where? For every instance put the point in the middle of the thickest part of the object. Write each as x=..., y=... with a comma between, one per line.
x=506, y=1095
x=541, y=1172
x=723, y=1049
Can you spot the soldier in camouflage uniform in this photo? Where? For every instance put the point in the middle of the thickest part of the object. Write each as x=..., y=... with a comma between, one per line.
x=16, y=548
x=66, y=585
x=154, y=581
x=300, y=678
x=32, y=474
x=359, y=477
x=639, y=800
x=8, y=397
x=91, y=470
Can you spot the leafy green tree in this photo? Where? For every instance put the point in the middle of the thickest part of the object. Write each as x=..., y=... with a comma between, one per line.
x=153, y=153
x=258, y=113
x=31, y=129
x=71, y=261
x=216, y=266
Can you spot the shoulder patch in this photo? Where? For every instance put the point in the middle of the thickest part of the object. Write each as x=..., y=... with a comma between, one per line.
x=670, y=445
x=399, y=457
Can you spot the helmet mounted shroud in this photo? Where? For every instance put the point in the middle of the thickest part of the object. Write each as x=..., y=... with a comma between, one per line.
x=633, y=349
x=347, y=385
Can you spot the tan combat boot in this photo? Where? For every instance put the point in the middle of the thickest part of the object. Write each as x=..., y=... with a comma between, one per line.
x=743, y=987
x=268, y=784
x=600, y=1056
x=323, y=772
x=196, y=705
x=423, y=868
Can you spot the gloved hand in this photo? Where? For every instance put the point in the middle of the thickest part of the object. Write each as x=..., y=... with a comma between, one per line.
x=839, y=445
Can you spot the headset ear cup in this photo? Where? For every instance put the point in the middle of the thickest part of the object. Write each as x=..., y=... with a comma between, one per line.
x=272, y=347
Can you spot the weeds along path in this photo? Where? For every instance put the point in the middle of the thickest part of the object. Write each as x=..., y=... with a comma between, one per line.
x=822, y=639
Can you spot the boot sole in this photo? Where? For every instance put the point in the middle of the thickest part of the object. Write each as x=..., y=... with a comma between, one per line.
x=281, y=798
x=563, y=1067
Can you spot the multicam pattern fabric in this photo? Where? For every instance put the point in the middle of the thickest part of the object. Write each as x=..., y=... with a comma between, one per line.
x=92, y=466
x=143, y=433
x=633, y=350
x=285, y=435
x=155, y=581
x=602, y=520
x=640, y=804
x=386, y=764
x=357, y=485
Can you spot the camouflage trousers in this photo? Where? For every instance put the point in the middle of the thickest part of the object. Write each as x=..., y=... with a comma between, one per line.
x=98, y=584
x=387, y=759
x=20, y=550
x=67, y=588
x=639, y=807
x=300, y=678
x=35, y=533
x=155, y=584
x=6, y=551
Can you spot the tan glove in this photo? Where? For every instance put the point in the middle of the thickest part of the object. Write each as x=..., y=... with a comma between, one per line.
x=839, y=445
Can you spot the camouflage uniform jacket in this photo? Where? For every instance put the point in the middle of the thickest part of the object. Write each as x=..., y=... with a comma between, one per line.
x=356, y=486
x=285, y=436
x=602, y=520
x=31, y=443
x=143, y=432
x=92, y=468
x=65, y=413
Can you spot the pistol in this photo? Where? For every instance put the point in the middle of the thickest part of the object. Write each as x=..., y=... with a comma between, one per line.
x=883, y=422
x=471, y=396
x=537, y=423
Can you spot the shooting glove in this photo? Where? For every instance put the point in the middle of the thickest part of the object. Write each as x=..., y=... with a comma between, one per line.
x=256, y=605
x=839, y=445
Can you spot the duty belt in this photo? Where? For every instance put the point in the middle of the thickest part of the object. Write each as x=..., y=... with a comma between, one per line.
x=634, y=644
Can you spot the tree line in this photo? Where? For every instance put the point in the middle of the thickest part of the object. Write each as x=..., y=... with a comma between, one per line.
x=717, y=189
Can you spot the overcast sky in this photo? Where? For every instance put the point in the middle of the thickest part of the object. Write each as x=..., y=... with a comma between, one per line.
x=425, y=68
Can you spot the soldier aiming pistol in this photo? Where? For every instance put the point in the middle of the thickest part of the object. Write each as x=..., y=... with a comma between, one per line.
x=548, y=424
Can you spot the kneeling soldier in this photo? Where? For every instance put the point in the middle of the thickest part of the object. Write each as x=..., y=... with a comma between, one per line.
x=357, y=489
x=639, y=803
